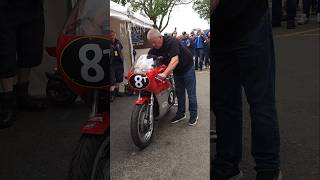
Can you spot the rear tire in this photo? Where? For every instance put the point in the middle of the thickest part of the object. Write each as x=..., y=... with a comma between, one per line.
x=91, y=158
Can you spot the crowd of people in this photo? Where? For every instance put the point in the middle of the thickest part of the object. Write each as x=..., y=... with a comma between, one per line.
x=288, y=11
x=199, y=45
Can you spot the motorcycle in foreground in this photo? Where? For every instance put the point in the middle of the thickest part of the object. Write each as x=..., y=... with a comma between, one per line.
x=156, y=97
x=82, y=54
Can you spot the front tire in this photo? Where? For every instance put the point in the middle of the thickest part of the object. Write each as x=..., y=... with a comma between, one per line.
x=142, y=125
x=91, y=159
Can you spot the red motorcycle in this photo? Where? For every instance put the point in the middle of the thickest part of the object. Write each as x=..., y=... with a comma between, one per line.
x=156, y=97
x=83, y=54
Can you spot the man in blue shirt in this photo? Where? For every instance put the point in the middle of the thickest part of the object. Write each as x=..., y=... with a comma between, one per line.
x=199, y=49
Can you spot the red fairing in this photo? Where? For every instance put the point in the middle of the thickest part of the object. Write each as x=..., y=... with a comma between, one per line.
x=97, y=125
x=156, y=86
x=142, y=100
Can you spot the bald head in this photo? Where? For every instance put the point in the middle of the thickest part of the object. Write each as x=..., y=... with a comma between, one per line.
x=155, y=38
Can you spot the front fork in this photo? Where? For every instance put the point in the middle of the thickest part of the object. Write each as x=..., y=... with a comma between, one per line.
x=98, y=122
x=150, y=101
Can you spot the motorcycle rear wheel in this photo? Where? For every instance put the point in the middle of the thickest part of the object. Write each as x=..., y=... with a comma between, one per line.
x=91, y=158
x=141, y=133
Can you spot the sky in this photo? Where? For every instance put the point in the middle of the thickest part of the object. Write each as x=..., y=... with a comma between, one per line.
x=185, y=19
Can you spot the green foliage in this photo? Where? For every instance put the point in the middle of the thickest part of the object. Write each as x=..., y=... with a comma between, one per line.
x=202, y=7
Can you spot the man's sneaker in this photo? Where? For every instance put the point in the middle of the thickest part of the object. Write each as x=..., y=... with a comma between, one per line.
x=178, y=118
x=269, y=175
x=8, y=109
x=225, y=173
x=302, y=19
x=193, y=121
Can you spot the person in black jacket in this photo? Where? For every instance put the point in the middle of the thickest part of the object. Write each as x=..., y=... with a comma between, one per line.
x=178, y=60
x=116, y=66
x=21, y=49
x=243, y=57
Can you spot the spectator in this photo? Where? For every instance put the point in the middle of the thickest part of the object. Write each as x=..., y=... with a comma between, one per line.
x=186, y=41
x=199, y=49
x=244, y=59
x=116, y=66
x=21, y=49
x=304, y=17
x=192, y=49
x=277, y=13
x=207, y=50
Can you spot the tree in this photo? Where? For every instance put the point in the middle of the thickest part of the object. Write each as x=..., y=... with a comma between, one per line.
x=202, y=7
x=158, y=11
x=122, y=2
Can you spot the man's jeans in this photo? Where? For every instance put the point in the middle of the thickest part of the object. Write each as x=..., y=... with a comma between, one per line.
x=249, y=63
x=186, y=81
x=198, y=61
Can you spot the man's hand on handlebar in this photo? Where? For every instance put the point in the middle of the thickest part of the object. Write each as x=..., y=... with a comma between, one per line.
x=162, y=76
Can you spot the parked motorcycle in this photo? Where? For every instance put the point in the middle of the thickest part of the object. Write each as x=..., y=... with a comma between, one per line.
x=83, y=53
x=156, y=97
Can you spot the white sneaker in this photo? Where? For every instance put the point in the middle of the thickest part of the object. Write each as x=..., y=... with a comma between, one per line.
x=302, y=19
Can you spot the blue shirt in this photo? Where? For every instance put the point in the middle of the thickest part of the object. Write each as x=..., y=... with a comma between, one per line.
x=199, y=42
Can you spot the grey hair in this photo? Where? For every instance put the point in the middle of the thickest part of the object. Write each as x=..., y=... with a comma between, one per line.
x=153, y=33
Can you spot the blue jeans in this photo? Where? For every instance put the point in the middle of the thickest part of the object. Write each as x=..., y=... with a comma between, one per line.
x=186, y=81
x=198, y=61
x=248, y=63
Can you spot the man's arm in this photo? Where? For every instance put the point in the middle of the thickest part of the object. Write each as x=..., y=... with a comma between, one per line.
x=171, y=66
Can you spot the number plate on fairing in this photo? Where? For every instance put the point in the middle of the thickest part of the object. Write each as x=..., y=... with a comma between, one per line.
x=139, y=81
x=85, y=61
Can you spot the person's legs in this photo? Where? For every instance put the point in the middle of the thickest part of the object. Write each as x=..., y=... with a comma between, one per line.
x=291, y=13
x=226, y=102
x=257, y=65
x=196, y=58
x=30, y=35
x=201, y=60
x=119, y=79
x=8, y=70
x=190, y=85
x=276, y=13
x=205, y=56
x=181, y=94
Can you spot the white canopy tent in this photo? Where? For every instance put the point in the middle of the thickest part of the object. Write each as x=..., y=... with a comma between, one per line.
x=122, y=21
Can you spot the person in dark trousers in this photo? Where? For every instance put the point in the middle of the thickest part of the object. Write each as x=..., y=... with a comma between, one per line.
x=179, y=61
x=199, y=49
x=207, y=51
x=21, y=49
x=291, y=8
x=243, y=58
x=116, y=66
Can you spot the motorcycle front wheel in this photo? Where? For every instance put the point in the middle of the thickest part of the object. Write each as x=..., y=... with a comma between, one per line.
x=142, y=125
x=91, y=158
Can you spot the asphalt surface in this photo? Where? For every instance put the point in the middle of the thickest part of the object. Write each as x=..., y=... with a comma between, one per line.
x=297, y=91
x=178, y=151
x=39, y=146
